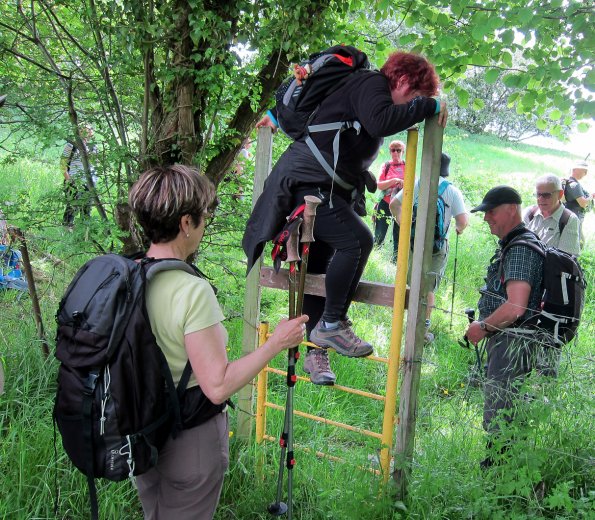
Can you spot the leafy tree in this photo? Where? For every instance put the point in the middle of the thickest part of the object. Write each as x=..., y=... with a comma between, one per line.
x=490, y=112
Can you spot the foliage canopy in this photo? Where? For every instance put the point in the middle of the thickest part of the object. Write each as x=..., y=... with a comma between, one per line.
x=186, y=80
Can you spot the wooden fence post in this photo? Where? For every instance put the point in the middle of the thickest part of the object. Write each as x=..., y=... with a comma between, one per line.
x=262, y=168
x=416, y=315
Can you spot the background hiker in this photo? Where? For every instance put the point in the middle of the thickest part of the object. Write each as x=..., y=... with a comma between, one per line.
x=554, y=224
x=76, y=188
x=173, y=204
x=454, y=207
x=390, y=181
x=512, y=294
x=384, y=103
x=577, y=197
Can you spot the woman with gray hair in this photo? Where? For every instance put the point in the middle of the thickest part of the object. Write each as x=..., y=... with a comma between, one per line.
x=172, y=205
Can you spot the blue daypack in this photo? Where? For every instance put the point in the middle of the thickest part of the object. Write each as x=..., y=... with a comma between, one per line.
x=11, y=274
x=440, y=227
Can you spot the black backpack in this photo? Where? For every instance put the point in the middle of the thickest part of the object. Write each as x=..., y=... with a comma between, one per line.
x=300, y=96
x=116, y=403
x=440, y=226
x=567, y=183
x=563, y=295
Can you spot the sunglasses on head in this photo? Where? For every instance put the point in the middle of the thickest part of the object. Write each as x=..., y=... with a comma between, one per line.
x=396, y=149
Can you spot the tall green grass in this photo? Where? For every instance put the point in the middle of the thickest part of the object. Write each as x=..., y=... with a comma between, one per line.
x=554, y=438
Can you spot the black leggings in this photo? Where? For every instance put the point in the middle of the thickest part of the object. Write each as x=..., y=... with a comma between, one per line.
x=341, y=248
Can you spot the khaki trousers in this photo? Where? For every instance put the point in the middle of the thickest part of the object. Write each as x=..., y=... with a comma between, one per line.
x=187, y=480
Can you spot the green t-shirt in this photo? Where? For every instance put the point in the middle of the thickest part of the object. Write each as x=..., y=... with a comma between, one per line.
x=179, y=303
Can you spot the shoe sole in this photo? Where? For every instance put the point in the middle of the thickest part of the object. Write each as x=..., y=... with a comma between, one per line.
x=322, y=383
x=329, y=382
x=339, y=350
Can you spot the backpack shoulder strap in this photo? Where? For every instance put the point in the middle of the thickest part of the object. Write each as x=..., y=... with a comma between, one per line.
x=566, y=183
x=442, y=188
x=564, y=218
x=386, y=167
x=155, y=266
x=531, y=213
x=531, y=242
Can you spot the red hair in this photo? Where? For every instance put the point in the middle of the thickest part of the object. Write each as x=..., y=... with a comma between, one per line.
x=418, y=70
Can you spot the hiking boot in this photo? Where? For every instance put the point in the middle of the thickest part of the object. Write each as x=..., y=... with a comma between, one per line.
x=428, y=337
x=342, y=339
x=316, y=364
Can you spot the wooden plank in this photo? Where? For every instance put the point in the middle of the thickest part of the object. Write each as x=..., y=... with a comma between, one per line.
x=414, y=338
x=245, y=404
x=374, y=293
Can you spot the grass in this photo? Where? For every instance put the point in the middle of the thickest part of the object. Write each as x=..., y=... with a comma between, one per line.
x=446, y=481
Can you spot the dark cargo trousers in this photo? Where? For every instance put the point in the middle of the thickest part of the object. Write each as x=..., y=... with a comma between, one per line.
x=510, y=359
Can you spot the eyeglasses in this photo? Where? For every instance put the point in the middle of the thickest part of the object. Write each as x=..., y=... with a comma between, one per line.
x=545, y=195
x=396, y=149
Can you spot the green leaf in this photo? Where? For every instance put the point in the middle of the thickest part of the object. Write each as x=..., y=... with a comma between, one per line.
x=589, y=81
x=528, y=99
x=506, y=58
x=555, y=114
x=478, y=32
x=495, y=22
x=443, y=20
x=541, y=124
x=512, y=98
x=507, y=37
x=583, y=127
x=478, y=104
x=585, y=108
x=491, y=76
x=407, y=39
x=525, y=15
x=511, y=80
x=463, y=97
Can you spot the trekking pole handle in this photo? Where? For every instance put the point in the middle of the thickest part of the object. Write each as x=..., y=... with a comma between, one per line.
x=293, y=244
x=312, y=203
x=471, y=317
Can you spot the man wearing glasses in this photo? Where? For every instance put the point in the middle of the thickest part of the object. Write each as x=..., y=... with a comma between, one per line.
x=553, y=223
x=390, y=182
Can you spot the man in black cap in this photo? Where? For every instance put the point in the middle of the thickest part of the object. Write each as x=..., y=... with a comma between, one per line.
x=511, y=294
x=454, y=207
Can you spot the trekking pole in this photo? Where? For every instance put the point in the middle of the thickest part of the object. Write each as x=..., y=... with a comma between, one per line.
x=306, y=239
x=312, y=203
x=454, y=282
x=279, y=508
x=471, y=317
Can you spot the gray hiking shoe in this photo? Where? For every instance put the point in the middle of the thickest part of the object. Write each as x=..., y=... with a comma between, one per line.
x=342, y=339
x=316, y=364
x=428, y=337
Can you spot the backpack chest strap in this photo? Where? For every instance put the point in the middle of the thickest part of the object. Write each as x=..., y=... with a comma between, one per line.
x=339, y=126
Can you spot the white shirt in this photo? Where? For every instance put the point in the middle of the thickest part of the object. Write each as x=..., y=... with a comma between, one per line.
x=452, y=196
x=548, y=230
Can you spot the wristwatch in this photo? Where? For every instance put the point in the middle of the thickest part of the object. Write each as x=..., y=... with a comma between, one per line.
x=483, y=326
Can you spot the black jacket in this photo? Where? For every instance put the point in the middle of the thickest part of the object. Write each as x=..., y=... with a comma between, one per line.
x=365, y=98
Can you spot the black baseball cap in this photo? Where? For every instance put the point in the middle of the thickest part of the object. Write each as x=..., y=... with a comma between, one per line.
x=497, y=196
